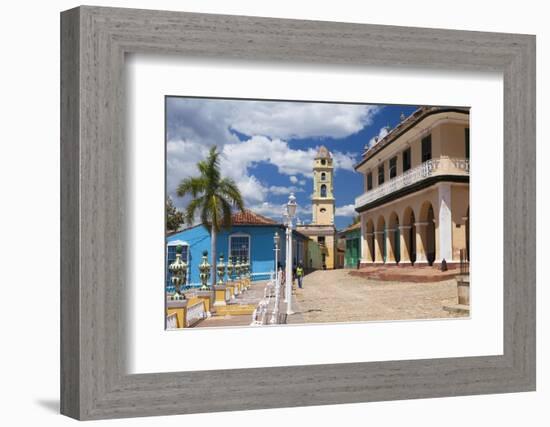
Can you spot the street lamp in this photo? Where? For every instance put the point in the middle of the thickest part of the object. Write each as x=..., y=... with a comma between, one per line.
x=275, y=316
x=291, y=206
x=290, y=213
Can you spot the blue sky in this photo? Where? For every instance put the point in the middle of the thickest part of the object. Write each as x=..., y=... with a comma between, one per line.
x=268, y=147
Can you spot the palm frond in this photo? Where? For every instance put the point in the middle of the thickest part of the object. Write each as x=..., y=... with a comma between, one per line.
x=226, y=213
x=213, y=197
x=229, y=190
x=192, y=208
x=193, y=186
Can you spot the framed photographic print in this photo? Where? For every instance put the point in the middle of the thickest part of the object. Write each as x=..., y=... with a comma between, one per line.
x=285, y=213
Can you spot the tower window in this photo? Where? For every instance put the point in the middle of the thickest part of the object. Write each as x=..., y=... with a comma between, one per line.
x=323, y=176
x=323, y=210
x=323, y=190
x=323, y=162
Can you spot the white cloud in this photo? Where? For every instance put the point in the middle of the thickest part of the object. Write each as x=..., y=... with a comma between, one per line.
x=239, y=157
x=194, y=125
x=288, y=161
x=211, y=121
x=381, y=134
x=282, y=190
x=344, y=160
x=181, y=162
x=275, y=210
x=346, y=210
x=287, y=120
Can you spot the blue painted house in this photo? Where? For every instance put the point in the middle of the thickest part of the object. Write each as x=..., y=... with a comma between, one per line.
x=251, y=236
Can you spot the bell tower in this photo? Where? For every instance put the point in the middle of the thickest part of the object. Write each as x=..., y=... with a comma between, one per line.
x=323, y=190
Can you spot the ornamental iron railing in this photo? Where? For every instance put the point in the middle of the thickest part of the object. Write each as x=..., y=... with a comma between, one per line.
x=430, y=168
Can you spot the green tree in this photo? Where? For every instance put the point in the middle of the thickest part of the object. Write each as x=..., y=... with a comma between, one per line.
x=212, y=200
x=174, y=217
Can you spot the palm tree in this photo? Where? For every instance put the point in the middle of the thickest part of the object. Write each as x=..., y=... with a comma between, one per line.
x=213, y=199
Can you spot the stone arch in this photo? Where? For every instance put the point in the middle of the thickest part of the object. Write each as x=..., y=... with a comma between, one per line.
x=427, y=232
x=380, y=223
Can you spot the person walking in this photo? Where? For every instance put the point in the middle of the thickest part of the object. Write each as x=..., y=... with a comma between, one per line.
x=300, y=274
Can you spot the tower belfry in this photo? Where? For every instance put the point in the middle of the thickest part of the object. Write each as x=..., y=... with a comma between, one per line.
x=323, y=188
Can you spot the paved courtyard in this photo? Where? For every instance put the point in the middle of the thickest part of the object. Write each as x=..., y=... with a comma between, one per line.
x=337, y=296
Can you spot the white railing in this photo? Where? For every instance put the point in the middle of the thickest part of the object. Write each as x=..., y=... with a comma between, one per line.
x=172, y=321
x=434, y=167
x=267, y=310
x=195, y=313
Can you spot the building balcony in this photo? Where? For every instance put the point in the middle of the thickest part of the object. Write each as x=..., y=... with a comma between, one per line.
x=431, y=170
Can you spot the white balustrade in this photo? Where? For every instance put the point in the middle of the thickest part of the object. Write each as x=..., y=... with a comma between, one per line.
x=195, y=313
x=430, y=168
x=172, y=321
x=262, y=313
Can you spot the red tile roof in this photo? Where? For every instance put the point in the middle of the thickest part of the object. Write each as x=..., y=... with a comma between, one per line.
x=250, y=218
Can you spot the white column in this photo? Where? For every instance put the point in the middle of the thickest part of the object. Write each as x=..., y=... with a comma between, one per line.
x=390, y=243
x=445, y=224
x=364, y=244
x=421, y=241
x=370, y=245
x=404, y=245
x=378, y=247
x=286, y=261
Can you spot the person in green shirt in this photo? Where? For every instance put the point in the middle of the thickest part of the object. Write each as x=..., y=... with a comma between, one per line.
x=300, y=274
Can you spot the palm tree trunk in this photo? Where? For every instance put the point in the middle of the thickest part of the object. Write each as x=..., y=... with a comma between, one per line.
x=214, y=257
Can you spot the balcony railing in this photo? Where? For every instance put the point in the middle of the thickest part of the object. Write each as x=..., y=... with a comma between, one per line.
x=433, y=167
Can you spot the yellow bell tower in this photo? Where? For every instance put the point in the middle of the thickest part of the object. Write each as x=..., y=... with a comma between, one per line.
x=323, y=189
x=322, y=230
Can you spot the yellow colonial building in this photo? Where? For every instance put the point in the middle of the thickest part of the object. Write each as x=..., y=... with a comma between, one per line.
x=415, y=207
x=322, y=229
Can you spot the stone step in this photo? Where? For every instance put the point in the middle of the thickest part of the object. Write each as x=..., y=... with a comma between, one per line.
x=234, y=310
x=457, y=308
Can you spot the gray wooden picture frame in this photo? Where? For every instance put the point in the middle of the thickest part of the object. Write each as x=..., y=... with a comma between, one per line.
x=94, y=41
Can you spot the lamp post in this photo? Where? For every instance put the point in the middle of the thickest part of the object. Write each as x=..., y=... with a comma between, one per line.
x=291, y=212
x=275, y=317
x=285, y=222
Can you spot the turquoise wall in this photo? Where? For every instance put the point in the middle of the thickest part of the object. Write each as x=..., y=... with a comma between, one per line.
x=261, y=248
